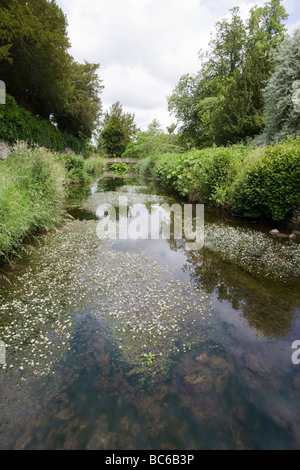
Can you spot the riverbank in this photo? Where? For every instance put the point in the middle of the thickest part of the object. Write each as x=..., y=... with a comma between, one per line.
x=253, y=182
x=34, y=184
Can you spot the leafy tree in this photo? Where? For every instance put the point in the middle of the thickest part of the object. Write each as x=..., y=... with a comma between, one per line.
x=191, y=103
x=118, y=128
x=265, y=27
x=194, y=98
x=227, y=47
x=39, y=71
x=35, y=63
x=282, y=93
x=224, y=102
x=81, y=112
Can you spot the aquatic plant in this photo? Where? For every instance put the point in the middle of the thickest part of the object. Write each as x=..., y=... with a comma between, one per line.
x=150, y=358
x=120, y=168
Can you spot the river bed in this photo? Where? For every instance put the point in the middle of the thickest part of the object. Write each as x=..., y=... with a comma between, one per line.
x=129, y=344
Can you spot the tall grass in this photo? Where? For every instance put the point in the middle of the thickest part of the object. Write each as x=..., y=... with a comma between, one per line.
x=32, y=191
x=94, y=165
x=34, y=183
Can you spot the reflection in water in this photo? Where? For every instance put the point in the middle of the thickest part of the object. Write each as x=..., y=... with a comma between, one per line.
x=142, y=344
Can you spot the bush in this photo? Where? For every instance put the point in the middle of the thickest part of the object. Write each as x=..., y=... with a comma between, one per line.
x=206, y=174
x=17, y=124
x=269, y=187
x=253, y=182
x=75, y=168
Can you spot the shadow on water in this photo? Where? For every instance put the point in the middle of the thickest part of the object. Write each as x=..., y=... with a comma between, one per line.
x=123, y=344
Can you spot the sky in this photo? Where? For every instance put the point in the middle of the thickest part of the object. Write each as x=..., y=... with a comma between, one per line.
x=145, y=46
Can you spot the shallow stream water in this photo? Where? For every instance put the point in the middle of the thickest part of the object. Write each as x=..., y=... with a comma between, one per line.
x=144, y=344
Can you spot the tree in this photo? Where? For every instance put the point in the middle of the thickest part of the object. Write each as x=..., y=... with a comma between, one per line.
x=118, y=128
x=195, y=97
x=282, y=93
x=191, y=103
x=81, y=113
x=34, y=50
x=239, y=112
x=224, y=102
x=40, y=73
x=227, y=47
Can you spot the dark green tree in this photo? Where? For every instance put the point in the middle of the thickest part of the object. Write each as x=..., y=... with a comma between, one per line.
x=118, y=128
x=35, y=62
x=81, y=112
x=239, y=113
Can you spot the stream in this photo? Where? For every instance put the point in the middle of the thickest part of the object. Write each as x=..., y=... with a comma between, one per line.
x=130, y=344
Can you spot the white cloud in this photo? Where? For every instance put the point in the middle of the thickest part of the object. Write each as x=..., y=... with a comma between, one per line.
x=144, y=46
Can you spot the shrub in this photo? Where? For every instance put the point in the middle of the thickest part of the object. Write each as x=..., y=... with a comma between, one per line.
x=207, y=174
x=269, y=187
x=17, y=124
x=75, y=168
x=253, y=181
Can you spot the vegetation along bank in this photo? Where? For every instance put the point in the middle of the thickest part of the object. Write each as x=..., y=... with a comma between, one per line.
x=34, y=184
x=254, y=182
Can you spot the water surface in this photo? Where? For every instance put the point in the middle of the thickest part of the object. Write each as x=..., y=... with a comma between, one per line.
x=143, y=344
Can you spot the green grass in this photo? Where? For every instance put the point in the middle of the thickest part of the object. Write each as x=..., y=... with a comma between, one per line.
x=33, y=187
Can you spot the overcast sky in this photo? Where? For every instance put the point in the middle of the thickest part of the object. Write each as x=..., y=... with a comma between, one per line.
x=145, y=46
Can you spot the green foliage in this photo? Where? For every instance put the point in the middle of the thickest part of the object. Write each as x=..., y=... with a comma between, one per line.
x=150, y=357
x=253, y=182
x=118, y=128
x=151, y=142
x=282, y=92
x=81, y=113
x=269, y=187
x=17, y=124
x=94, y=165
x=239, y=113
x=223, y=103
x=206, y=175
x=34, y=183
x=146, y=165
x=75, y=168
x=31, y=194
x=39, y=71
x=120, y=168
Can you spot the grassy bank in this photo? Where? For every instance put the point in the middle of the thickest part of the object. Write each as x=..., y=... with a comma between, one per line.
x=256, y=182
x=33, y=188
